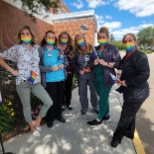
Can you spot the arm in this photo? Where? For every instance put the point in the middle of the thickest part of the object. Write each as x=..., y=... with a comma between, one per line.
x=10, y=54
x=7, y=67
x=143, y=71
x=41, y=66
x=115, y=59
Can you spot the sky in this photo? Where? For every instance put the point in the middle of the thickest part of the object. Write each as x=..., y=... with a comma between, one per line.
x=120, y=16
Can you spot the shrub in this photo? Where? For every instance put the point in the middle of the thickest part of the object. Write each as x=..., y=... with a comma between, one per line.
x=7, y=116
x=146, y=51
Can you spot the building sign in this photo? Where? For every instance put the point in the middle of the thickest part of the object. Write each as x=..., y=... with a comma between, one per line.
x=84, y=27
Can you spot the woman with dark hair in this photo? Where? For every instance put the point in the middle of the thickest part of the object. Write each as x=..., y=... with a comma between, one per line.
x=83, y=65
x=52, y=66
x=108, y=58
x=25, y=53
x=133, y=85
x=65, y=43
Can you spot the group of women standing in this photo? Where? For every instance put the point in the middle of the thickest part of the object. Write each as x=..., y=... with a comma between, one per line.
x=47, y=72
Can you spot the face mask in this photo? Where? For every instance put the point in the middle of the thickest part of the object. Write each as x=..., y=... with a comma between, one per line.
x=80, y=43
x=26, y=39
x=50, y=42
x=63, y=41
x=129, y=47
x=102, y=41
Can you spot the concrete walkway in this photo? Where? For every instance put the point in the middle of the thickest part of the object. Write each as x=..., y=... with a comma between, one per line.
x=75, y=136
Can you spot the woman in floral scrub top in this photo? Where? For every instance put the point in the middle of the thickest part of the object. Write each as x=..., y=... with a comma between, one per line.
x=25, y=54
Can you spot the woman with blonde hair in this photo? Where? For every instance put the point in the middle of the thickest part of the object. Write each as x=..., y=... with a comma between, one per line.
x=65, y=43
x=25, y=53
x=83, y=66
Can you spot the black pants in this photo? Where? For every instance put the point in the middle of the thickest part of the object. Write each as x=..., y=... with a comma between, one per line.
x=68, y=90
x=127, y=120
x=56, y=92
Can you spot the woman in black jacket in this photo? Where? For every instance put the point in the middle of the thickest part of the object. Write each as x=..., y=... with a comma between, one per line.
x=134, y=86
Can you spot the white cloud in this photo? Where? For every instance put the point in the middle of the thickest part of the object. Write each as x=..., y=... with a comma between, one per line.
x=118, y=34
x=138, y=7
x=112, y=25
x=95, y=3
x=108, y=17
x=99, y=20
x=79, y=4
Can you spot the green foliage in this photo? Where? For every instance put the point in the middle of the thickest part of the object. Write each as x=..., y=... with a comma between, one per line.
x=75, y=81
x=118, y=44
x=31, y=7
x=7, y=116
x=145, y=36
x=146, y=51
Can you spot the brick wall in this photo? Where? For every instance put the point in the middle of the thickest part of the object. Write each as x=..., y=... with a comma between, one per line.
x=11, y=19
x=73, y=27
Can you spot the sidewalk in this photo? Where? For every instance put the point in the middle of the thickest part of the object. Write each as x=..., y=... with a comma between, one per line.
x=75, y=136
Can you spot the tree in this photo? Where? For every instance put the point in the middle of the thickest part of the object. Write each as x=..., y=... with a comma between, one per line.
x=112, y=37
x=145, y=36
x=31, y=7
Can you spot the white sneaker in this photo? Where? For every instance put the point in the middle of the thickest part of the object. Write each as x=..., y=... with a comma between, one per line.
x=36, y=133
x=38, y=128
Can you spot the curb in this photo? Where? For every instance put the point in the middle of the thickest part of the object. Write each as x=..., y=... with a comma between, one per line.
x=138, y=144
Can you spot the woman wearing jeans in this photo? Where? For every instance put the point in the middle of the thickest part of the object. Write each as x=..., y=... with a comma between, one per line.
x=25, y=53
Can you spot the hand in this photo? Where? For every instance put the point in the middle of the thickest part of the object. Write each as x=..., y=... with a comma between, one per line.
x=81, y=72
x=96, y=61
x=122, y=83
x=87, y=70
x=15, y=72
x=55, y=68
x=61, y=66
x=102, y=62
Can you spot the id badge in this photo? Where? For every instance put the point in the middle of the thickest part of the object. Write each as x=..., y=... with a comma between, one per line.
x=86, y=58
x=49, y=54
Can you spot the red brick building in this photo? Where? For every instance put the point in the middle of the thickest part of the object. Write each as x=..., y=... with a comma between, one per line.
x=12, y=18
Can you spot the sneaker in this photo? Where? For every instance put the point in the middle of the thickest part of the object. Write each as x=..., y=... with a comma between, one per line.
x=49, y=124
x=83, y=112
x=63, y=108
x=106, y=118
x=94, y=122
x=69, y=107
x=114, y=143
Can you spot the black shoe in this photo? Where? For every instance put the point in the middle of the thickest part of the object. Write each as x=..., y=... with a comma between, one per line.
x=96, y=110
x=63, y=108
x=70, y=108
x=115, y=142
x=49, y=124
x=94, y=123
x=61, y=119
x=83, y=112
x=106, y=118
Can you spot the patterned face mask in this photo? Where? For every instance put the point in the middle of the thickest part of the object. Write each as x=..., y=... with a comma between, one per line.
x=63, y=41
x=102, y=41
x=80, y=43
x=129, y=46
x=26, y=39
x=50, y=41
